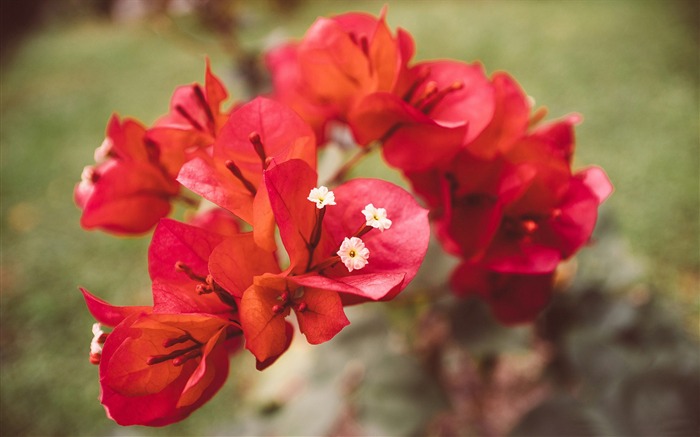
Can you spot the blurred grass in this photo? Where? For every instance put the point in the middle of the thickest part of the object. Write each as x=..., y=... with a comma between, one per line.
x=630, y=67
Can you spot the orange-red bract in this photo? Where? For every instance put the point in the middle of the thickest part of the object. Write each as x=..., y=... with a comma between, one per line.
x=339, y=61
x=158, y=368
x=130, y=191
x=178, y=262
x=448, y=105
x=231, y=177
x=193, y=123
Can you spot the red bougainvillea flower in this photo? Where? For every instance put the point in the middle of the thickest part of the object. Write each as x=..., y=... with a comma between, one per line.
x=271, y=299
x=339, y=61
x=159, y=364
x=178, y=263
x=193, y=318
x=255, y=133
x=184, y=260
x=535, y=171
x=481, y=160
x=194, y=122
x=128, y=191
x=445, y=105
x=533, y=238
x=381, y=257
x=158, y=368
x=513, y=298
x=494, y=210
x=473, y=195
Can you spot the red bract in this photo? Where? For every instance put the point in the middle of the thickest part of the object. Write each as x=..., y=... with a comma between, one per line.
x=159, y=364
x=477, y=167
x=513, y=298
x=158, y=368
x=477, y=192
x=194, y=122
x=178, y=263
x=255, y=133
x=510, y=121
x=533, y=239
x=316, y=284
x=130, y=191
x=445, y=105
x=184, y=260
x=520, y=211
x=474, y=194
x=338, y=62
x=553, y=214
x=108, y=314
x=155, y=369
x=266, y=304
x=282, y=62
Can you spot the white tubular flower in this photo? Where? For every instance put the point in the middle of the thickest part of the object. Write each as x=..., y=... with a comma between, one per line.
x=376, y=217
x=321, y=197
x=88, y=175
x=96, y=344
x=102, y=152
x=353, y=253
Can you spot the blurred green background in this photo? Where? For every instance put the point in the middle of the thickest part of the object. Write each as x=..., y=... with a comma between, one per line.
x=630, y=67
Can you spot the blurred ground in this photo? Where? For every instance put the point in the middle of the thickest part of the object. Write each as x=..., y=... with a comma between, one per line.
x=631, y=68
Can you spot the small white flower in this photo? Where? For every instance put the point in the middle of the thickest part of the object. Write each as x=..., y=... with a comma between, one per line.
x=87, y=175
x=102, y=152
x=321, y=197
x=376, y=217
x=87, y=182
x=353, y=253
x=95, y=344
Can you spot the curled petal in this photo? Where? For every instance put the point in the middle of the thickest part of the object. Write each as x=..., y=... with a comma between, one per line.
x=107, y=314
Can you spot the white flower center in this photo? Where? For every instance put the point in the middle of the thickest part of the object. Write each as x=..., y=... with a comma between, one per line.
x=353, y=253
x=321, y=197
x=376, y=217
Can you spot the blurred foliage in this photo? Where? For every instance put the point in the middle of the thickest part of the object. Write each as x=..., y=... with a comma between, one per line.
x=613, y=355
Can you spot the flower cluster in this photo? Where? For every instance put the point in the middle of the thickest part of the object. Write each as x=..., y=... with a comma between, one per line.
x=217, y=288
x=498, y=181
x=270, y=241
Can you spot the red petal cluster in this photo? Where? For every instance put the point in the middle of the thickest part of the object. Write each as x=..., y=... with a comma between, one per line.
x=134, y=181
x=499, y=182
x=339, y=61
x=214, y=286
x=316, y=285
x=128, y=190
